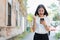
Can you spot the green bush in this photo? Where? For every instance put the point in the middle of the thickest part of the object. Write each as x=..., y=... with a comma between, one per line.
x=57, y=35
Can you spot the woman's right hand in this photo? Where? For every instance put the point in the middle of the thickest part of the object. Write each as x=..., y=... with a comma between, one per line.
x=34, y=18
x=34, y=23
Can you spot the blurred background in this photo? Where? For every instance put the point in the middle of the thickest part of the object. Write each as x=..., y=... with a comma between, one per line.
x=16, y=18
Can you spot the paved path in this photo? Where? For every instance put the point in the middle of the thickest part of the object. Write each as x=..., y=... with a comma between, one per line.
x=2, y=38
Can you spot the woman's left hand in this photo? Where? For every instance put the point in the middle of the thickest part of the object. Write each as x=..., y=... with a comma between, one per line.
x=53, y=29
x=45, y=25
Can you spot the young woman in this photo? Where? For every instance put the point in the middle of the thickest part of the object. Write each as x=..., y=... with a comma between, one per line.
x=41, y=24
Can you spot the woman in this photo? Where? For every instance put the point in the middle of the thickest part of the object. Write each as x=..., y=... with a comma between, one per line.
x=41, y=24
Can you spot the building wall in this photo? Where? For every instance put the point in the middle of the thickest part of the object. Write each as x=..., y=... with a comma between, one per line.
x=2, y=12
x=24, y=12
x=15, y=16
x=13, y=13
x=2, y=17
x=9, y=31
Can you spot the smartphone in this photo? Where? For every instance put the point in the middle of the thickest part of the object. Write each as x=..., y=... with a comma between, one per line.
x=42, y=19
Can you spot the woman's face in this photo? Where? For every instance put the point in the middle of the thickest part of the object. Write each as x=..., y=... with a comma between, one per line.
x=41, y=11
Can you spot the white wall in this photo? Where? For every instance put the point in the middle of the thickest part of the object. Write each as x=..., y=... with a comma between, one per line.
x=22, y=23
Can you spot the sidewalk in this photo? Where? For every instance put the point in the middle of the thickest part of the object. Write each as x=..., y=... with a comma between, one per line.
x=2, y=38
x=29, y=36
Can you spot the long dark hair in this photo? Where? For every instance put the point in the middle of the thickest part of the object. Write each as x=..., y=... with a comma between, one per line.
x=41, y=6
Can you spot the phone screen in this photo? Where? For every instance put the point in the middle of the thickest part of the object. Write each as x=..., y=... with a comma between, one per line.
x=42, y=19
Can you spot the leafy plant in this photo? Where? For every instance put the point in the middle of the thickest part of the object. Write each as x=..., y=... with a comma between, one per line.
x=56, y=17
x=30, y=17
x=57, y=35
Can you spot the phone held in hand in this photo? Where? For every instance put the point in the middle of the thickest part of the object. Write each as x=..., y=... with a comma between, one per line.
x=42, y=19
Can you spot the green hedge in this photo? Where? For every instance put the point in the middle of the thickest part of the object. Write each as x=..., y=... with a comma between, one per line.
x=57, y=35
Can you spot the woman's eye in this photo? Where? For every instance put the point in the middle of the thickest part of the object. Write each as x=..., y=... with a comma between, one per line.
x=40, y=10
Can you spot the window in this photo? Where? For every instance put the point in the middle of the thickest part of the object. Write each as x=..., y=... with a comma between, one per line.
x=9, y=15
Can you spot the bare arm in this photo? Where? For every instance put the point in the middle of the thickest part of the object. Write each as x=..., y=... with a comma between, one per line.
x=48, y=28
x=34, y=24
x=45, y=25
